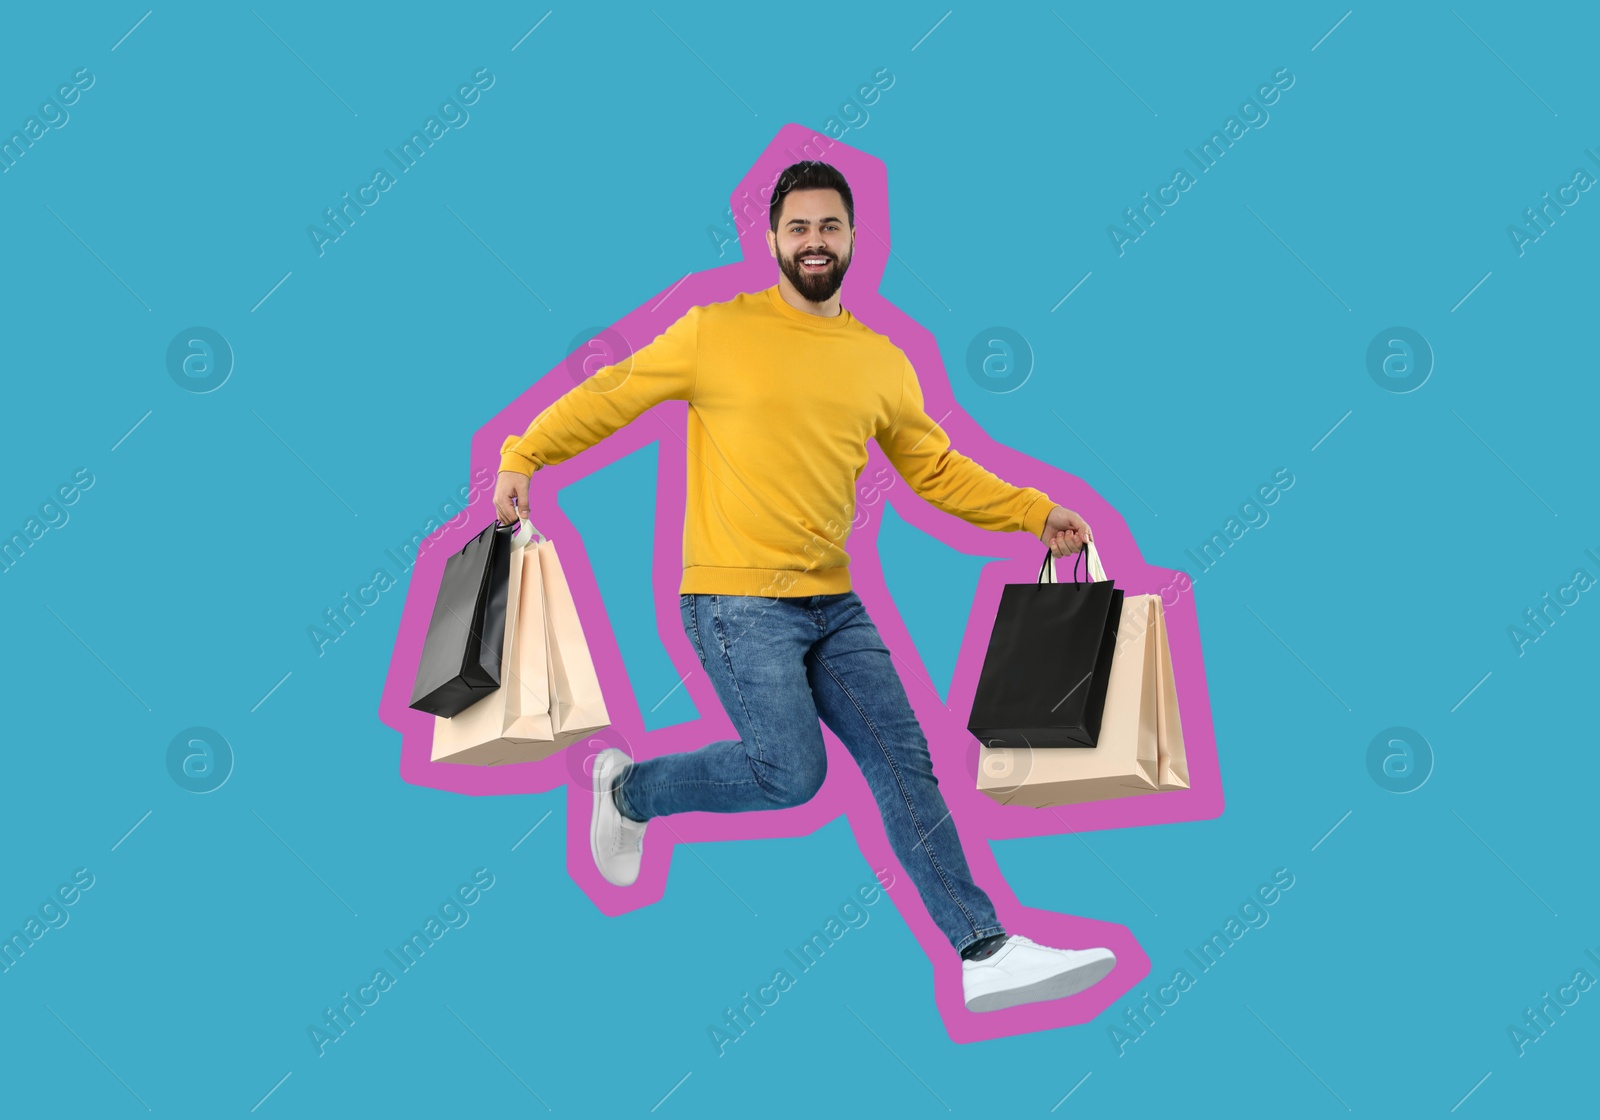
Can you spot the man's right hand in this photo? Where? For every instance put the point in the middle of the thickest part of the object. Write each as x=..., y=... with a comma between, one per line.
x=508, y=487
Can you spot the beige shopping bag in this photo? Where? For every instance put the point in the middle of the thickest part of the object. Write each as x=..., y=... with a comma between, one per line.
x=1140, y=749
x=512, y=723
x=577, y=707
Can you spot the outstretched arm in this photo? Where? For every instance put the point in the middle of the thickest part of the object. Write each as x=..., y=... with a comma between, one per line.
x=920, y=450
x=608, y=399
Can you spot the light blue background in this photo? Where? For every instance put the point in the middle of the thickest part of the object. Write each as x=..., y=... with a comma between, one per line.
x=1223, y=345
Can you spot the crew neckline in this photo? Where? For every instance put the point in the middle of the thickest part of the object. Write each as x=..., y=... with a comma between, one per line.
x=831, y=322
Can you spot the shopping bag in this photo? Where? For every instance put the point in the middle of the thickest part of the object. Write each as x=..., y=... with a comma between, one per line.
x=577, y=707
x=1043, y=681
x=512, y=723
x=1140, y=748
x=461, y=653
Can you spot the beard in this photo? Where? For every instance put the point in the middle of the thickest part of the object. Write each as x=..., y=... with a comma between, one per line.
x=818, y=287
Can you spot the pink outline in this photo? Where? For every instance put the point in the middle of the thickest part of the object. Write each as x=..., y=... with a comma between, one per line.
x=955, y=751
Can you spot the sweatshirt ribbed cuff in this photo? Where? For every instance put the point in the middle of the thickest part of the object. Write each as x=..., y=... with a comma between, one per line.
x=511, y=461
x=1038, y=513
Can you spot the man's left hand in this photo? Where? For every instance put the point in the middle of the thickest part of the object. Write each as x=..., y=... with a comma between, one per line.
x=1065, y=532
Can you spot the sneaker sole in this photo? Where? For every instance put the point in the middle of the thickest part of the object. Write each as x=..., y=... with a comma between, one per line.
x=594, y=817
x=1060, y=985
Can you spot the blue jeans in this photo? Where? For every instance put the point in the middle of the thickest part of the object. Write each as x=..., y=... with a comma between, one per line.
x=778, y=664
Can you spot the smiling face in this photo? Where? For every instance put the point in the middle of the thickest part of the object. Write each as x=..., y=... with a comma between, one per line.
x=814, y=243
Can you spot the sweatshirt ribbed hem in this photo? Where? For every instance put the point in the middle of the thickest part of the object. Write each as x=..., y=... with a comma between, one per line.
x=772, y=583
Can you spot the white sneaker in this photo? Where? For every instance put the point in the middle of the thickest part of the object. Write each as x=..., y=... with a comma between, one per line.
x=616, y=842
x=1023, y=971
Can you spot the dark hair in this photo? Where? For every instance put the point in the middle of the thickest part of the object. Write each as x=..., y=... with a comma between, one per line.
x=810, y=175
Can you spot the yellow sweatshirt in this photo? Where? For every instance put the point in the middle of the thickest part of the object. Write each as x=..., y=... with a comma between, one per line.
x=781, y=404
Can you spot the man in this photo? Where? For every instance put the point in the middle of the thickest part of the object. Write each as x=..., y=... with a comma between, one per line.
x=784, y=387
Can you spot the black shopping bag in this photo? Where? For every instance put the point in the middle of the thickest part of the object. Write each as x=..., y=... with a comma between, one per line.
x=466, y=636
x=1043, y=682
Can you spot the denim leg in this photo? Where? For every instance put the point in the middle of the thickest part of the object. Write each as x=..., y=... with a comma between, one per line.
x=753, y=649
x=862, y=700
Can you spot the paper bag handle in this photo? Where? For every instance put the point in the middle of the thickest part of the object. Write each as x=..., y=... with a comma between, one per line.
x=525, y=532
x=1095, y=571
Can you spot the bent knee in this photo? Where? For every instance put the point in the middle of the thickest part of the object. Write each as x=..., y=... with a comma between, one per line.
x=788, y=788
